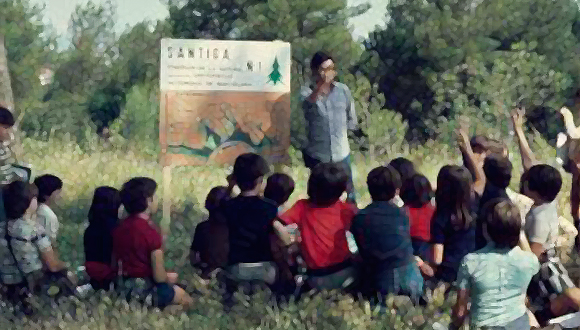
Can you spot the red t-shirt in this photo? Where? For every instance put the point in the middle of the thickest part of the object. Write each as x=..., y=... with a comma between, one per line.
x=133, y=242
x=322, y=231
x=420, y=221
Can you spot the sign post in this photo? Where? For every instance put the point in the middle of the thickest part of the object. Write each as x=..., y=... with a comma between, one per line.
x=220, y=99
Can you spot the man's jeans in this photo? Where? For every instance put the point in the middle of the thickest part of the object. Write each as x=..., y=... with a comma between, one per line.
x=311, y=162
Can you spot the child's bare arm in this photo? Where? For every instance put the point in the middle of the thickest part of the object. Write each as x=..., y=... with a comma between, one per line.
x=527, y=155
x=466, y=150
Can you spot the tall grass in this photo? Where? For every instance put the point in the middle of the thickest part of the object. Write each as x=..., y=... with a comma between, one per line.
x=83, y=168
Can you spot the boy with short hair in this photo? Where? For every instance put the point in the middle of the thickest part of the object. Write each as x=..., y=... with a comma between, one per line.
x=406, y=169
x=383, y=236
x=49, y=189
x=323, y=221
x=210, y=247
x=137, y=246
x=498, y=174
x=250, y=219
x=279, y=188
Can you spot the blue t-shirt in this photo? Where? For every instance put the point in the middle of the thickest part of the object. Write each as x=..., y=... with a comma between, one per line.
x=497, y=280
x=457, y=242
x=382, y=235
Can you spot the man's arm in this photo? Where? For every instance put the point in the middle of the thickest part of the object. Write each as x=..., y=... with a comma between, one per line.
x=351, y=118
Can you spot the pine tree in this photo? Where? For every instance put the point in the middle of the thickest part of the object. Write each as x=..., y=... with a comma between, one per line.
x=275, y=76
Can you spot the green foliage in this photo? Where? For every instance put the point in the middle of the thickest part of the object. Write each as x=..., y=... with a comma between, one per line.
x=88, y=63
x=139, y=121
x=477, y=59
x=28, y=45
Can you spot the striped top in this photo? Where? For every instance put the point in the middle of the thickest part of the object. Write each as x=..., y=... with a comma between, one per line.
x=6, y=161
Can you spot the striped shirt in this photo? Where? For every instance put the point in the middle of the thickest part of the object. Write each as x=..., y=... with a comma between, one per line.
x=28, y=241
x=327, y=123
x=6, y=161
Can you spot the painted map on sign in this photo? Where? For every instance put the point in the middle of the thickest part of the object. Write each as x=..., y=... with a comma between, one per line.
x=223, y=98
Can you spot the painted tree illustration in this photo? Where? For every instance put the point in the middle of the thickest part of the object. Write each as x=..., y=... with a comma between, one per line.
x=275, y=76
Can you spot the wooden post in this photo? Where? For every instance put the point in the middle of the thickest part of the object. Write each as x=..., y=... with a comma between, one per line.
x=166, y=221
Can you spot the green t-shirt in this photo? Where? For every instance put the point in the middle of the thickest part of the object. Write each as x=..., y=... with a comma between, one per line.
x=497, y=280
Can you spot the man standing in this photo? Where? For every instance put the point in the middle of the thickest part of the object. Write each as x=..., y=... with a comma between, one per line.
x=329, y=112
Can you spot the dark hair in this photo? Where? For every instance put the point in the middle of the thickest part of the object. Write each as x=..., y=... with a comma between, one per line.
x=327, y=182
x=383, y=183
x=248, y=168
x=47, y=184
x=503, y=222
x=404, y=167
x=6, y=117
x=454, y=196
x=478, y=143
x=498, y=170
x=317, y=60
x=544, y=180
x=17, y=197
x=279, y=187
x=216, y=197
x=481, y=143
x=417, y=191
x=104, y=211
x=135, y=192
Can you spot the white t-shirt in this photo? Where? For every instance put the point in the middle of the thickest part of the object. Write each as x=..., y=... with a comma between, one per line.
x=542, y=224
x=48, y=220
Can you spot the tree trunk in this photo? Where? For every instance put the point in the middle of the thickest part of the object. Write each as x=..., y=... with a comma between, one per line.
x=6, y=98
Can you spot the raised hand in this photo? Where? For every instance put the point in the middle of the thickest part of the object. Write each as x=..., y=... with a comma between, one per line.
x=517, y=117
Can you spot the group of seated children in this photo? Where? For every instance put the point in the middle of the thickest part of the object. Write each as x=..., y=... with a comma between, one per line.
x=467, y=234
x=127, y=255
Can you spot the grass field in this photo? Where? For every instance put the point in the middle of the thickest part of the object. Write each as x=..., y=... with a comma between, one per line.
x=82, y=171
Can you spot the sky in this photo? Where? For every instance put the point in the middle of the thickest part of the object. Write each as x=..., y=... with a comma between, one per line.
x=130, y=12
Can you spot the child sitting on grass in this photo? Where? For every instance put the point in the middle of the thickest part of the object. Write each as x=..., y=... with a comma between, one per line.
x=417, y=194
x=323, y=220
x=28, y=260
x=453, y=226
x=406, y=169
x=498, y=174
x=138, y=248
x=501, y=267
x=49, y=189
x=210, y=247
x=382, y=234
x=98, y=239
x=249, y=218
x=279, y=188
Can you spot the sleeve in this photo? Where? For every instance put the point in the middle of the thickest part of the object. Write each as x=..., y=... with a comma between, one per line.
x=534, y=264
x=42, y=241
x=196, y=242
x=6, y=174
x=356, y=230
x=305, y=93
x=155, y=240
x=294, y=214
x=463, y=275
x=438, y=230
x=352, y=122
x=537, y=228
x=348, y=213
x=51, y=227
